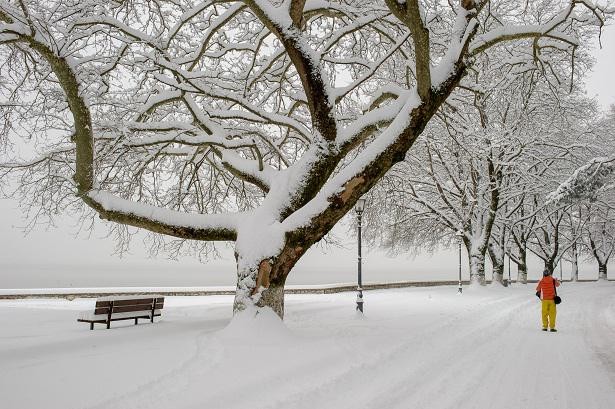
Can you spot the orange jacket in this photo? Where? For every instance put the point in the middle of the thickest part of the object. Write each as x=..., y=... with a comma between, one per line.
x=546, y=286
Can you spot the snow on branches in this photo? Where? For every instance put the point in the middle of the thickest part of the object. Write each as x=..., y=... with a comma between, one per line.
x=263, y=121
x=586, y=182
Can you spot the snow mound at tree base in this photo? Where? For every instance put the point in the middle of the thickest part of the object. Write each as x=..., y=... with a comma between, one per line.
x=255, y=326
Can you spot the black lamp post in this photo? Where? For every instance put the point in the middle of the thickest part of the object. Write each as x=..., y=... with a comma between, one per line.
x=509, y=250
x=459, y=235
x=359, y=207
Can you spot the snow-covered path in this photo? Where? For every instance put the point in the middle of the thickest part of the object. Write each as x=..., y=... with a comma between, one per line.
x=414, y=348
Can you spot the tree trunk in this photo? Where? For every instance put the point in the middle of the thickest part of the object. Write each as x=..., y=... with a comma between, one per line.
x=250, y=295
x=522, y=266
x=574, y=276
x=477, y=269
x=602, y=271
x=549, y=267
x=498, y=274
x=261, y=285
x=498, y=266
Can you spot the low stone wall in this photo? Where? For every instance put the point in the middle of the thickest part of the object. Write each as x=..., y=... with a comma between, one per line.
x=325, y=289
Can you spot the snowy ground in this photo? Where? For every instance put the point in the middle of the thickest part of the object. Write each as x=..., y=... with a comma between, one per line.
x=414, y=348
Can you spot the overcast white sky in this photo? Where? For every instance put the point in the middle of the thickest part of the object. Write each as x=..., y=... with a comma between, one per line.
x=601, y=83
x=56, y=258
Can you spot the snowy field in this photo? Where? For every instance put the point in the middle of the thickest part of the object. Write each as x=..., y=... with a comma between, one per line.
x=414, y=348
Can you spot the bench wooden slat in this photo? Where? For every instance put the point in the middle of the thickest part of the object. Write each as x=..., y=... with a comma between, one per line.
x=138, y=301
x=131, y=308
x=128, y=308
x=128, y=301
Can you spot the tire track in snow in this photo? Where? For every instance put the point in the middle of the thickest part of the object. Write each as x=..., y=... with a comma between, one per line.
x=456, y=378
x=449, y=375
x=326, y=390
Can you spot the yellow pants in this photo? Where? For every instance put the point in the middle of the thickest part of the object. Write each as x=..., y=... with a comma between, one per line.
x=548, y=313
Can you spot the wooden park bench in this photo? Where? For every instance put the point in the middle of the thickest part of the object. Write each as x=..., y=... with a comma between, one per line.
x=123, y=308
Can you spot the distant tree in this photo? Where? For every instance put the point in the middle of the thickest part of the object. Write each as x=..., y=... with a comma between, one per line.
x=257, y=122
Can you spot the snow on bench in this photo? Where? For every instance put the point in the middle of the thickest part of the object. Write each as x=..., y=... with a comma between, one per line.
x=117, y=308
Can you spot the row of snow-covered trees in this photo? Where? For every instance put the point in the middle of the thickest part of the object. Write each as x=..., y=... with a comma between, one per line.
x=258, y=122
x=495, y=164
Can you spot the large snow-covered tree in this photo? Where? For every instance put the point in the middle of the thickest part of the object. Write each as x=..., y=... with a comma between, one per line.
x=259, y=122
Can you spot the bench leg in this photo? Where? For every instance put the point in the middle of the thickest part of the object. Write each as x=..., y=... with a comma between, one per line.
x=91, y=326
x=109, y=315
x=136, y=321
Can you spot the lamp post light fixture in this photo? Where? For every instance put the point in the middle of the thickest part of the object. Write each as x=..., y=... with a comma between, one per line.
x=459, y=235
x=359, y=208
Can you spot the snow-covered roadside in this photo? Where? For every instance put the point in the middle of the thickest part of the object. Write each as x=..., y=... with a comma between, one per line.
x=417, y=347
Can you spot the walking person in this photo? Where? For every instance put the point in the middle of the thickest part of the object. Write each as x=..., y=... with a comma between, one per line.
x=545, y=290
